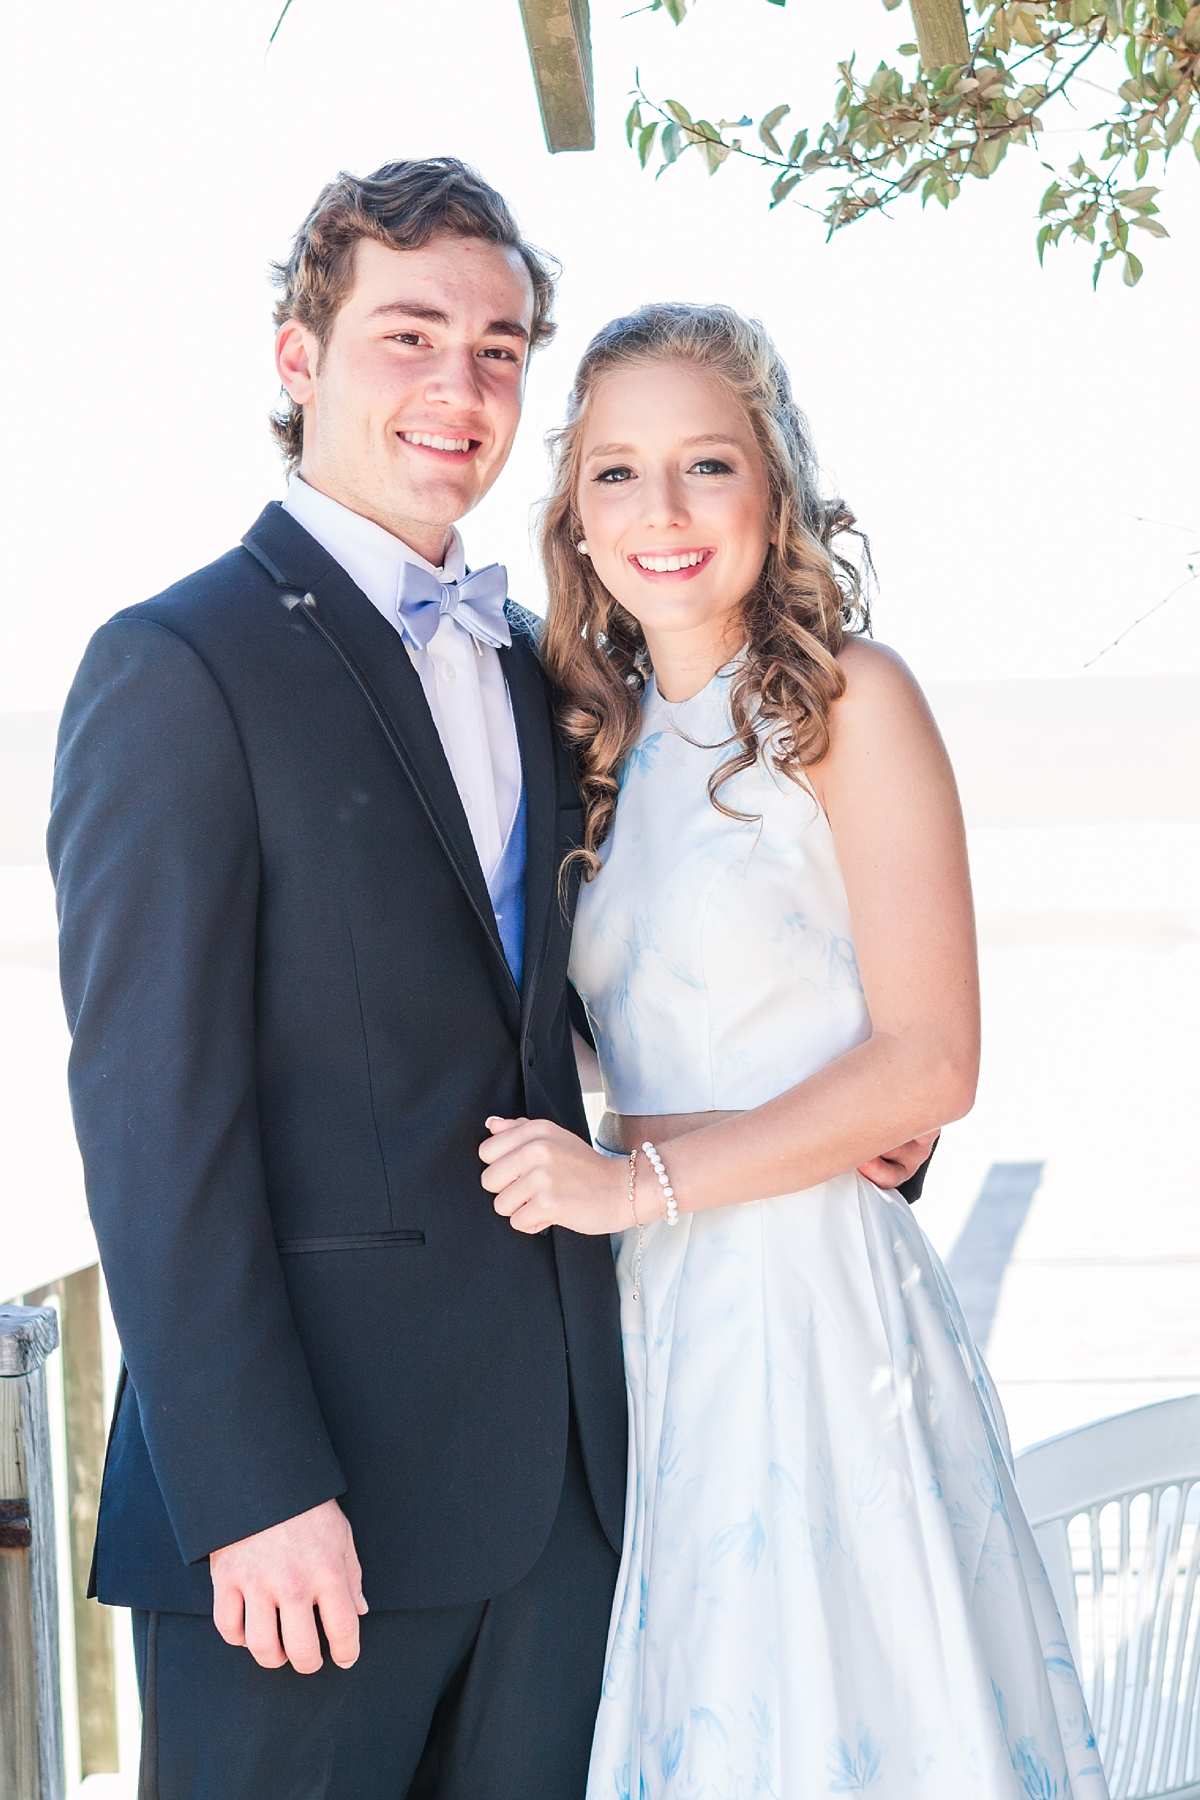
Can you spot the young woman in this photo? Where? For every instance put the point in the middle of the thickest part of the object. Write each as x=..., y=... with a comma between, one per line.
x=828, y=1585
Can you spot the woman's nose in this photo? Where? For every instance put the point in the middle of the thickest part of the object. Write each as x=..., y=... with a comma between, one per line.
x=664, y=502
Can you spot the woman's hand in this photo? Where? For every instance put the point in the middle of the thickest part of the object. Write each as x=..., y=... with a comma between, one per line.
x=898, y=1165
x=542, y=1175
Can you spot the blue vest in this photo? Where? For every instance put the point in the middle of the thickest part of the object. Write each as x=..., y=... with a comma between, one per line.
x=507, y=890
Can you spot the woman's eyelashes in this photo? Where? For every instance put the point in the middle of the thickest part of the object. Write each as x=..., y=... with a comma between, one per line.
x=707, y=465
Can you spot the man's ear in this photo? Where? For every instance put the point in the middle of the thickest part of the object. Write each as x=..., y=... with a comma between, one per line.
x=296, y=352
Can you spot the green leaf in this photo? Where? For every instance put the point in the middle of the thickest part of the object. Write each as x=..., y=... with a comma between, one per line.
x=1151, y=225
x=711, y=146
x=1196, y=143
x=1178, y=125
x=781, y=188
x=1044, y=237
x=1133, y=270
x=646, y=141
x=766, y=130
x=679, y=112
x=1053, y=200
x=672, y=143
x=634, y=121
x=799, y=144
x=908, y=50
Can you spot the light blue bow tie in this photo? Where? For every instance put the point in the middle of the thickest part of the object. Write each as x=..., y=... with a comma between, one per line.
x=477, y=602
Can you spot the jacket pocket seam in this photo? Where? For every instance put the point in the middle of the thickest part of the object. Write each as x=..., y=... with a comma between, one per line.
x=352, y=1240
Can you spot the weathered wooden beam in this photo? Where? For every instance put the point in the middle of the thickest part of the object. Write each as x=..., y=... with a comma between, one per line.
x=83, y=1403
x=559, y=36
x=31, y=1755
x=941, y=32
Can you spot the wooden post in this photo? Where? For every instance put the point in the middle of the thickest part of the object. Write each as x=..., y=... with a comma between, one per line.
x=559, y=36
x=83, y=1396
x=941, y=32
x=31, y=1755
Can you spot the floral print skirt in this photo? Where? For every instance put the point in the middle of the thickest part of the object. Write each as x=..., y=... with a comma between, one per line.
x=828, y=1585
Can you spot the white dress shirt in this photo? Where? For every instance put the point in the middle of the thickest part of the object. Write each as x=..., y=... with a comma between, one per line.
x=463, y=680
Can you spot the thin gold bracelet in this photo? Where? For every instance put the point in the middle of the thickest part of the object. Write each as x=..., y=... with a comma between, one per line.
x=641, y=1229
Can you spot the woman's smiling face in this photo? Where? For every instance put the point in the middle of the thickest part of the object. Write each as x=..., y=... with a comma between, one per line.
x=675, y=503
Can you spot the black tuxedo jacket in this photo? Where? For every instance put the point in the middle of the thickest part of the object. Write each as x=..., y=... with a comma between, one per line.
x=291, y=1016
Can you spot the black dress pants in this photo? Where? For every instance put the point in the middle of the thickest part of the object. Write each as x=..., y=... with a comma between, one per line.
x=488, y=1701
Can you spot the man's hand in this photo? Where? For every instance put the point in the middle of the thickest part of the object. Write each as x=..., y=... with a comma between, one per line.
x=897, y=1165
x=266, y=1587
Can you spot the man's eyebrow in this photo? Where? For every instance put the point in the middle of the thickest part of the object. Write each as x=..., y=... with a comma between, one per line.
x=411, y=309
x=433, y=315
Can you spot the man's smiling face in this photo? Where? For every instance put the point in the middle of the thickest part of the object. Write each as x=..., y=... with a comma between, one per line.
x=411, y=407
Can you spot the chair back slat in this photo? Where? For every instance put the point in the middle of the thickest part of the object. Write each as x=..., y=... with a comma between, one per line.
x=1185, y=1684
x=1115, y=1508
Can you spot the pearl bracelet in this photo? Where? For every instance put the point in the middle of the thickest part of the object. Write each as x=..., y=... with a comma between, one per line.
x=664, y=1182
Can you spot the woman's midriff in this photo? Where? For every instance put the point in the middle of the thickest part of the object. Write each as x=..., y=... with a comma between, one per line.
x=629, y=1131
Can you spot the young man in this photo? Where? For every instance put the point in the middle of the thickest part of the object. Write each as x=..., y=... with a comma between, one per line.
x=308, y=822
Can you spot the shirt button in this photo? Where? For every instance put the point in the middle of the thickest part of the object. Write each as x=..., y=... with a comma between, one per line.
x=466, y=800
x=447, y=673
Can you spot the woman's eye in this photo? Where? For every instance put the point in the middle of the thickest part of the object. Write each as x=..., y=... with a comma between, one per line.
x=612, y=476
x=711, y=465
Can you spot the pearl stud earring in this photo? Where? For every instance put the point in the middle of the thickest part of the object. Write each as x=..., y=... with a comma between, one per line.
x=581, y=546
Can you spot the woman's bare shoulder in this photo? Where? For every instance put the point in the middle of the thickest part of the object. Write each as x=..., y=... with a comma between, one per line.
x=878, y=682
x=864, y=661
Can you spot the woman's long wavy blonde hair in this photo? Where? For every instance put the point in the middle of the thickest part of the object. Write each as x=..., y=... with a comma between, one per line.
x=793, y=621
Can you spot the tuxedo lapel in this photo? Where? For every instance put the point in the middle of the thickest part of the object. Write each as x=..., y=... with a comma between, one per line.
x=531, y=710
x=378, y=659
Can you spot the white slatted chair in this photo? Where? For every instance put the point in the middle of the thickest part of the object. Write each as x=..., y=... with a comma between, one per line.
x=1115, y=1509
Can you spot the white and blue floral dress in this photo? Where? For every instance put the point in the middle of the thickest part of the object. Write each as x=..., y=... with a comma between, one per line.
x=827, y=1585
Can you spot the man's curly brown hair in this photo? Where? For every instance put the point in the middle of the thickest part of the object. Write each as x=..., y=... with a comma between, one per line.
x=404, y=205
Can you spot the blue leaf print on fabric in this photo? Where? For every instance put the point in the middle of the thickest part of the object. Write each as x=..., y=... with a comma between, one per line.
x=843, y=965
x=704, y=1715
x=747, y=1540
x=641, y=759
x=855, y=1771
x=672, y=1750
x=1034, y=1771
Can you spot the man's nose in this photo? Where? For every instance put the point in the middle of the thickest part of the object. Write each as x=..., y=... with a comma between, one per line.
x=454, y=380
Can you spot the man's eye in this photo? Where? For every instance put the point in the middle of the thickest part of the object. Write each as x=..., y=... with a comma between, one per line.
x=498, y=353
x=611, y=476
x=406, y=337
x=711, y=465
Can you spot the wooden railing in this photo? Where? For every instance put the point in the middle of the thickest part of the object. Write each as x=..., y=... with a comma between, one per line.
x=31, y=1733
x=31, y=1752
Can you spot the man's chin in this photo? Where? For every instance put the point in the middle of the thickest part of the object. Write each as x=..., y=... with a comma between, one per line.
x=404, y=510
